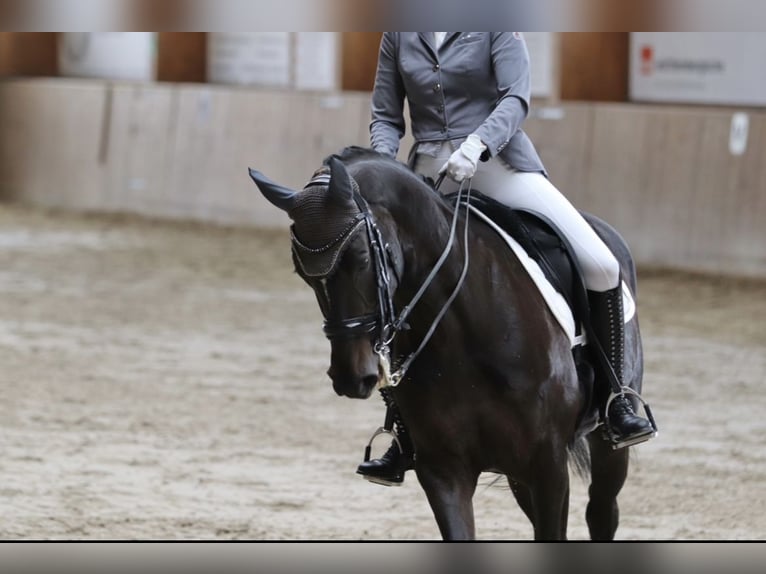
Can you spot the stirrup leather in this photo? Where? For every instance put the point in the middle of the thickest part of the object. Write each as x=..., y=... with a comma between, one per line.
x=610, y=434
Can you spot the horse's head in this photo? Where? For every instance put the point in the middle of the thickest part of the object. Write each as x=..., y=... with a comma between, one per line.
x=339, y=251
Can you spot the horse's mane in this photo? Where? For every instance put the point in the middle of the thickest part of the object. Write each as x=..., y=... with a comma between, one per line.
x=356, y=154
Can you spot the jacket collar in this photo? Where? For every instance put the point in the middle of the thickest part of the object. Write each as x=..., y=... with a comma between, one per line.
x=428, y=39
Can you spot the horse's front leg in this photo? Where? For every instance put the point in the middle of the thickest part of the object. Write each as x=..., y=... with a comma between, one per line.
x=609, y=469
x=450, y=493
x=550, y=493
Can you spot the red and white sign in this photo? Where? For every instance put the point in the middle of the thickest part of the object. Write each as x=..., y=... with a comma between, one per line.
x=698, y=67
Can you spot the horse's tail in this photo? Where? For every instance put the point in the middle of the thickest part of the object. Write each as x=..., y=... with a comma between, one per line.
x=579, y=458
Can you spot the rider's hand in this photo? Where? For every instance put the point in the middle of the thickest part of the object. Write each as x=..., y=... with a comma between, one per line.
x=464, y=160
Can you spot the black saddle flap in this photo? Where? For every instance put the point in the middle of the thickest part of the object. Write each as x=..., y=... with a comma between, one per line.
x=544, y=243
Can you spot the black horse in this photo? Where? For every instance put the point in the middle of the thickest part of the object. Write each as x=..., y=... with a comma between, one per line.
x=496, y=387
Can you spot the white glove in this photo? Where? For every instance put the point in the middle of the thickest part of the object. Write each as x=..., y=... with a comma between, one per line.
x=464, y=160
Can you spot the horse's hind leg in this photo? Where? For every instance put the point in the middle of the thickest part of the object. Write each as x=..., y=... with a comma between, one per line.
x=450, y=494
x=609, y=469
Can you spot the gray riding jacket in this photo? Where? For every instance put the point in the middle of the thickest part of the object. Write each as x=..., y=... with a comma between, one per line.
x=476, y=82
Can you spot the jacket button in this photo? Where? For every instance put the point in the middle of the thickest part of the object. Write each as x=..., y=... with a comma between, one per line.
x=436, y=67
x=441, y=107
x=437, y=87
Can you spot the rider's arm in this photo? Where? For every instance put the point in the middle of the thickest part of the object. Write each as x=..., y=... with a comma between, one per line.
x=510, y=61
x=387, y=126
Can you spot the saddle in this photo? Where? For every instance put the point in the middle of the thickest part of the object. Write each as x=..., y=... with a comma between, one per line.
x=548, y=247
x=544, y=243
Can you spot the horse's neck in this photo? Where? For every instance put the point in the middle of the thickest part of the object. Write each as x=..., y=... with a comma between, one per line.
x=423, y=226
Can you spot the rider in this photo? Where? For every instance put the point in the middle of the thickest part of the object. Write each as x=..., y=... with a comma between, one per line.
x=468, y=94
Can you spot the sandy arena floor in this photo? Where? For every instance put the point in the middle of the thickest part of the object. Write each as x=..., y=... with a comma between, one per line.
x=165, y=381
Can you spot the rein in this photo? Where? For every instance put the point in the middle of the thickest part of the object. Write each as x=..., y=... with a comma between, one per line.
x=382, y=348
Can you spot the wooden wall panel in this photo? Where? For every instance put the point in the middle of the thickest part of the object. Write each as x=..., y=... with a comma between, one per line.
x=50, y=142
x=220, y=132
x=182, y=56
x=563, y=138
x=662, y=175
x=726, y=225
x=178, y=151
x=359, y=60
x=641, y=178
x=665, y=178
x=138, y=131
x=594, y=66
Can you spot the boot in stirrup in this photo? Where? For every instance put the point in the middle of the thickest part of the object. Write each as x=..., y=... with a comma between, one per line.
x=389, y=469
x=622, y=425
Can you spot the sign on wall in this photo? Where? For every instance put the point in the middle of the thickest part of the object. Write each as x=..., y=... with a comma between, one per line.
x=698, y=67
x=249, y=58
x=301, y=60
x=317, y=60
x=109, y=55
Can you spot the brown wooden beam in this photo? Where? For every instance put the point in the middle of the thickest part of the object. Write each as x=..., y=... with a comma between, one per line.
x=28, y=54
x=359, y=60
x=182, y=57
x=594, y=66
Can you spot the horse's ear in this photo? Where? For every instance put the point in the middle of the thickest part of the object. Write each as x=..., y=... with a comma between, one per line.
x=281, y=196
x=341, y=188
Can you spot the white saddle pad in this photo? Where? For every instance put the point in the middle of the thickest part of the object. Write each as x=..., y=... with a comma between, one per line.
x=553, y=298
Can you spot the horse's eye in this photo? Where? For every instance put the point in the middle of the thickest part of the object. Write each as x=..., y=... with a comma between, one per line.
x=364, y=263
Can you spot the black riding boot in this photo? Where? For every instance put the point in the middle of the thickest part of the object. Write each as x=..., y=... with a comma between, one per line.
x=624, y=427
x=389, y=469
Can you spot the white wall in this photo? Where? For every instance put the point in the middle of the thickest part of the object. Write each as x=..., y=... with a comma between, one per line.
x=664, y=176
x=166, y=150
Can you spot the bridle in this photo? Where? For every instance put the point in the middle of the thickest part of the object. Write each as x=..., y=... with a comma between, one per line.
x=384, y=324
x=378, y=323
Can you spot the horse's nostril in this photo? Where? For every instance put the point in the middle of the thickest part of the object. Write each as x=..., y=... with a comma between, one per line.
x=370, y=381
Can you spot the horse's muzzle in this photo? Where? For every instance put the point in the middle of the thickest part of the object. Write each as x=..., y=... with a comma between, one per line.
x=353, y=368
x=354, y=387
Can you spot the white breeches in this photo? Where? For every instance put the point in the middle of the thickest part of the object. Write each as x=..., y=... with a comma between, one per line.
x=534, y=192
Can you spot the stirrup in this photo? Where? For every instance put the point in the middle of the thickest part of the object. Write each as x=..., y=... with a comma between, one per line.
x=613, y=439
x=381, y=481
x=368, y=452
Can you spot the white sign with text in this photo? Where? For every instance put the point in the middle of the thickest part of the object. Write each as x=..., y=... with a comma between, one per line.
x=698, y=67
